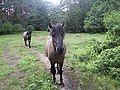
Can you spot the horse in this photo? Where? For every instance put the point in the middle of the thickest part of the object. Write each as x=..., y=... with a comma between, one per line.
x=55, y=49
x=27, y=37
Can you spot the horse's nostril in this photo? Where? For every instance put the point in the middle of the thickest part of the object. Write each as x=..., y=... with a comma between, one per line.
x=60, y=50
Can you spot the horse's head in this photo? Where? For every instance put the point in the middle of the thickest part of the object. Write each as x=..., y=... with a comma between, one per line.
x=29, y=31
x=57, y=34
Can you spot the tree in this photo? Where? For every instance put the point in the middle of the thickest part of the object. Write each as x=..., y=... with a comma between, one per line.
x=94, y=21
x=76, y=13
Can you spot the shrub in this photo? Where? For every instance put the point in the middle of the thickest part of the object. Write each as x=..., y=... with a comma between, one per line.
x=6, y=28
x=17, y=28
x=108, y=62
x=30, y=27
x=112, y=23
x=94, y=20
x=91, y=49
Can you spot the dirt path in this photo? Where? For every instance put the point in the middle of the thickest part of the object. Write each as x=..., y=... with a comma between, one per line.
x=69, y=78
x=13, y=61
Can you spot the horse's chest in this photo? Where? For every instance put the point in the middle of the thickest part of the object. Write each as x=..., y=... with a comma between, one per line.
x=53, y=57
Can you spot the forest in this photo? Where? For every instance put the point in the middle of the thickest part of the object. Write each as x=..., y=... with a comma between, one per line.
x=92, y=38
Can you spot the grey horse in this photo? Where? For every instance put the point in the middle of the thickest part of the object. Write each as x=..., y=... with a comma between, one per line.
x=27, y=37
x=55, y=49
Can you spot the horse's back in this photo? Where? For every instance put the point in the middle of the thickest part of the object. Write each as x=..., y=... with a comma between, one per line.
x=24, y=34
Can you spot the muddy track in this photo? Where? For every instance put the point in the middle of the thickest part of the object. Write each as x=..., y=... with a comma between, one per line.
x=69, y=78
x=12, y=60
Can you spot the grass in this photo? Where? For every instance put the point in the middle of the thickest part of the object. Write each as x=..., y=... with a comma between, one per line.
x=4, y=68
x=37, y=78
x=80, y=57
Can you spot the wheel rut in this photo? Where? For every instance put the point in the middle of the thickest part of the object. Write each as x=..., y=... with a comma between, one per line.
x=68, y=76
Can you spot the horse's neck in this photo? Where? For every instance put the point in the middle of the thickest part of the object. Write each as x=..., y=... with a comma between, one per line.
x=51, y=46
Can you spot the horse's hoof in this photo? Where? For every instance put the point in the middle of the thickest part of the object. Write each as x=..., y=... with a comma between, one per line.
x=62, y=84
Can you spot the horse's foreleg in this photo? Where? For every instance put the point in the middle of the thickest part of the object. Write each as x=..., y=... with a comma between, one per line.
x=53, y=71
x=60, y=72
x=58, y=69
x=29, y=41
x=25, y=42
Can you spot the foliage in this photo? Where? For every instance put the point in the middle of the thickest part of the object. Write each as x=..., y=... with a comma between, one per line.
x=17, y=28
x=92, y=49
x=29, y=72
x=112, y=23
x=6, y=28
x=76, y=14
x=37, y=77
x=94, y=21
x=82, y=56
x=25, y=12
x=30, y=27
x=108, y=63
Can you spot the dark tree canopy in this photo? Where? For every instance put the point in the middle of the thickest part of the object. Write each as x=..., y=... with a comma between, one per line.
x=78, y=15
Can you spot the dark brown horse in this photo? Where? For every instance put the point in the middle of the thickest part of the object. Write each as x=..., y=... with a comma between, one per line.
x=27, y=37
x=55, y=49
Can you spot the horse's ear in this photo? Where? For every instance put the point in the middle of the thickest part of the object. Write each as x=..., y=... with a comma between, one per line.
x=63, y=24
x=50, y=25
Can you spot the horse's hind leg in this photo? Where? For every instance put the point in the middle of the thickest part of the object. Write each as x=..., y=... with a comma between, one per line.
x=29, y=41
x=53, y=71
x=60, y=72
x=25, y=42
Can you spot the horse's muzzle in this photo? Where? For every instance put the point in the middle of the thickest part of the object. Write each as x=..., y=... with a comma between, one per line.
x=60, y=50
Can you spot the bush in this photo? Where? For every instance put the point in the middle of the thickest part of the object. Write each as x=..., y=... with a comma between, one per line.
x=94, y=20
x=17, y=28
x=112, y=23
x=6, y=28
x=31, y=28
x=93, y=48
x=108, y=63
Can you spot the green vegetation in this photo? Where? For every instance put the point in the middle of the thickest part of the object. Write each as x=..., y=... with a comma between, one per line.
x=34, y=76
x=94, y=20
x=30, y=27
x=89, y=55
x=37, y=78
x=108, y=63
x=5, y=69
x=112, y=23
x=8, y=28
x=78, y=15
x=94, y=57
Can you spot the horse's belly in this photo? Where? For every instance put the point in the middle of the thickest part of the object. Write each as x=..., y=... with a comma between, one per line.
x=25, y=35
